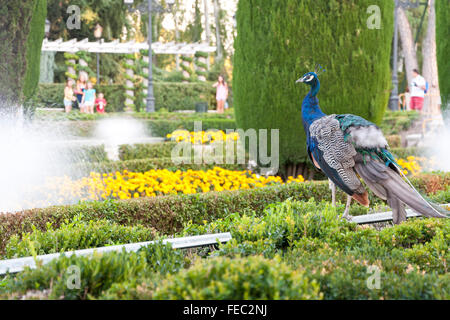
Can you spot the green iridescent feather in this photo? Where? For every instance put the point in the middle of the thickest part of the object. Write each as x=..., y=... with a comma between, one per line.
x=350, y=120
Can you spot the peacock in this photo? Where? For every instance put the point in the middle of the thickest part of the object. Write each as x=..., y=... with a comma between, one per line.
x=345, y=146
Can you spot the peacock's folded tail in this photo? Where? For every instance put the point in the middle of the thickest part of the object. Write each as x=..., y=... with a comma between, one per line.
x=387, y=184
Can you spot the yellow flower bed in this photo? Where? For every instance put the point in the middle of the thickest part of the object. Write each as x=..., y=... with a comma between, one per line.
x=414, y=165
x=202, y=137
x=127, y=185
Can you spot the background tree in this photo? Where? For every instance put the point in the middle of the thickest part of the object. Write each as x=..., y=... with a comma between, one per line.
x=408, y=45
x=34, y=45
x=110, y=14
x=429, y=68
x=217, y=16
x=443, y=49
x=15, y=40
x=279, y=40
x=195, y=29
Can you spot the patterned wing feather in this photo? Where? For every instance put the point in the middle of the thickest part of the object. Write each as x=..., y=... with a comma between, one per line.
x=337, y=153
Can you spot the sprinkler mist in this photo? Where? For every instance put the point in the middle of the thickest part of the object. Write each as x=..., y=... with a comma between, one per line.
x=437, y=144
x=30, y=158
x=40, y=162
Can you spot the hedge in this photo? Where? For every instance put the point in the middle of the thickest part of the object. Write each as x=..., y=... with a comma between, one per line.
x=48, y=115
x=411, y=257
x=142, y=165
x=98, y=273
x=280, y=40
x=290, y=250
x=168, y=214
x=254, y=278
x=396, y=121
x=403, y=153
x=170, y=96
x=146, y=150
x=159, y=150
x=158, y=154
x=154, y=128
x=160, y=128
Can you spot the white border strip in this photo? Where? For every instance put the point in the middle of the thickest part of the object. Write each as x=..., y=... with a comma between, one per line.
x=385, y=216
x=18, y=265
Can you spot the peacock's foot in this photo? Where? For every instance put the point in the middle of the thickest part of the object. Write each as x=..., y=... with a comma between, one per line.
x=347, y=217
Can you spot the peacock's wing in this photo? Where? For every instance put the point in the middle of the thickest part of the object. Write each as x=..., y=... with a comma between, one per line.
x=329, y=149
x=377, y=167
x=366, y=137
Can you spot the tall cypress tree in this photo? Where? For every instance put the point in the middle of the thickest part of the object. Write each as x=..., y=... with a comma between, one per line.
x=443, y=49
x=279, y=40
x=15, y=18
x=34, y=45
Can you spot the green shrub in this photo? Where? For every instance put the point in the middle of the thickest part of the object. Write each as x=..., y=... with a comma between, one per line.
x=346, y=276
x=278, y=41
x=252, y=278
x=143, y=165
x=77, y=154
x=74, y=235
x=161, y=114
x=183, y=96
x=164, y=150
x=403, y=153
x=412, y=257
x=278, y=227
x=146, y=150
x=160, y=128
x=97, y=273
x=394, y=141
x=396, y=121
x=154, y=128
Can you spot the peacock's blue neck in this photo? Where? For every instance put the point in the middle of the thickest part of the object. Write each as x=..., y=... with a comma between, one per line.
x=310, y=107
x=315, y=87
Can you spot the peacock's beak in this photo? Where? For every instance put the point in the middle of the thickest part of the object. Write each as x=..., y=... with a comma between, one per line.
x=300, y=80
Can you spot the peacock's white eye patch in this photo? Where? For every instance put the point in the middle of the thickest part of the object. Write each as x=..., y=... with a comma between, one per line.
x=310, y=77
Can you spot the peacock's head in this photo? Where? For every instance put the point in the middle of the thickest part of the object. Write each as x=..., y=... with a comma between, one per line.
x=309, y=78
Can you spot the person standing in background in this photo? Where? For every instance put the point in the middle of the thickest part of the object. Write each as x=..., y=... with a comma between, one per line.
x=221, y=93
x=69, y=98
x=418, y=87
x=79, y=91
x=100, y=103
x=89, y=99
x=407, y=99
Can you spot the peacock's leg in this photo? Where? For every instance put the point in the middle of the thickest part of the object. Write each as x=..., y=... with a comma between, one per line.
x=333, y=192
x=346, y=214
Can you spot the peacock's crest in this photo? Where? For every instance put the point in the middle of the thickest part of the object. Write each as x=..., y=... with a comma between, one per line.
x=319, y=69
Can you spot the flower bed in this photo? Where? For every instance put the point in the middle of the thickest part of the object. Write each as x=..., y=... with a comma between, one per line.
x=127, y=185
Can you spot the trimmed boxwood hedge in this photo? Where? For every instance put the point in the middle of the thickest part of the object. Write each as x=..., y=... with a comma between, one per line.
x=154, y=128
x=168, y=214
x=143, y=165
x=406, y=152
x=146, y=150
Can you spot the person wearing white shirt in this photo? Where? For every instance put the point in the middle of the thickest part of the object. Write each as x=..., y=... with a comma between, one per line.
x=418, y=87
